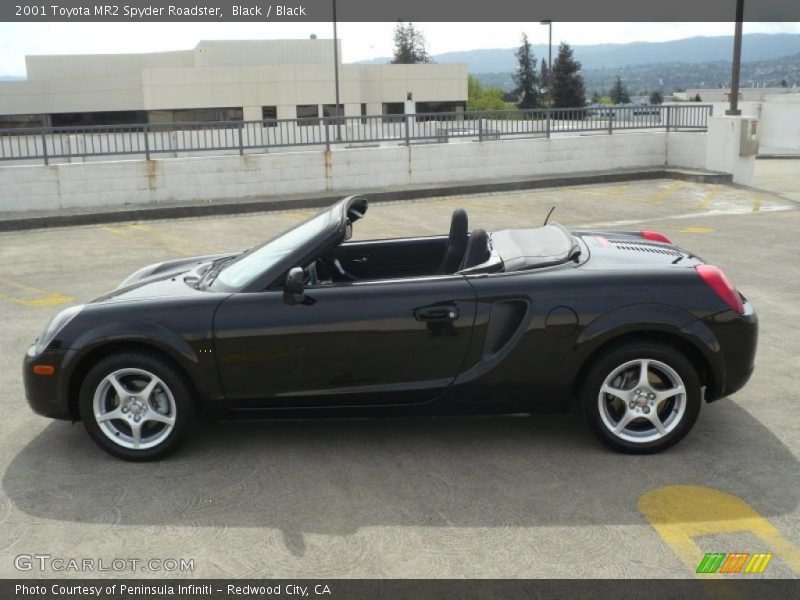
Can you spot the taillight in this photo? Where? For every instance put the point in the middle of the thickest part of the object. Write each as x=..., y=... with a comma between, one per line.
x=655, y=236
x=716, y=280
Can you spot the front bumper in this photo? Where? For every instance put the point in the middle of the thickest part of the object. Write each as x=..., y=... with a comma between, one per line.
x=47, y=395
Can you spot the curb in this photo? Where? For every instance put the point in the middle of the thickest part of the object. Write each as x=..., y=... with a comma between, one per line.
x=250, y=206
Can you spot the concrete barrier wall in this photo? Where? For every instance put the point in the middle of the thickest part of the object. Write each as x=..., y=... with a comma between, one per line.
x=39, y=187
x=687, y=150
x=724, y=151
x=780, y=125
x=779, y=122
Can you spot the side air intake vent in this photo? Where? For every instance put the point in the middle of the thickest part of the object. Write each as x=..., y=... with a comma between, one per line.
x=504, y=320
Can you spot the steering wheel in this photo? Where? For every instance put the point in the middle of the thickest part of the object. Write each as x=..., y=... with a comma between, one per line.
x=336, y=265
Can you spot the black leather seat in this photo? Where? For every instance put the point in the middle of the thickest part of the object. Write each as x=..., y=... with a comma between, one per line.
x=456, y=244
x=477, y=250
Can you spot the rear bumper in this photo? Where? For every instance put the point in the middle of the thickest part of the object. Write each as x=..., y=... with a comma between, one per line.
x=737, y=339
x=46, y=394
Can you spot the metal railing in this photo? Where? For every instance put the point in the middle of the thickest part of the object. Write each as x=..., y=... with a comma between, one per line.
x=239, y=137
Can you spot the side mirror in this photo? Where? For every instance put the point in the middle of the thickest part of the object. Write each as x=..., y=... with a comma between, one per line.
x=293, y=289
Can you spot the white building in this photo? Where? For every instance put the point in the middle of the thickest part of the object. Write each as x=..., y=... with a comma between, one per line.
x=746, y=94
x=221, y=81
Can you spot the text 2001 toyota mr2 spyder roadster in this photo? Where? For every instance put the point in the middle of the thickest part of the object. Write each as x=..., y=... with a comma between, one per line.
x=636, y=330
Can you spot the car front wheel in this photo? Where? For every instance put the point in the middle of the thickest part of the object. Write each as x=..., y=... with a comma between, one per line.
x=642, y=397
x=135, y=406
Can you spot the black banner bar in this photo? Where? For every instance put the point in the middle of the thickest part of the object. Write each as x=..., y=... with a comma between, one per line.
x=394, y=10
x=398, y=589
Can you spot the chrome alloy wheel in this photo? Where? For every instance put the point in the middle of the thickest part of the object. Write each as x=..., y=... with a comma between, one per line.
x=134, y=408
x=642, y=400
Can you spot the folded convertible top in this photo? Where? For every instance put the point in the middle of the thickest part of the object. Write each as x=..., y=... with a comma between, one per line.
x=522, y=249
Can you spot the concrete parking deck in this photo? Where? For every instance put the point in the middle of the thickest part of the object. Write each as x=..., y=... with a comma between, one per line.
x=457, y=497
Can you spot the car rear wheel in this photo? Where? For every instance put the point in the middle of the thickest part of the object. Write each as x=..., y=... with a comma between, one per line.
x=135, y=406
x=642, y=397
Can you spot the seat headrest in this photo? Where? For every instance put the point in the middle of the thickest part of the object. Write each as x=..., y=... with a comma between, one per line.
x=456, y=243
x=477, y=249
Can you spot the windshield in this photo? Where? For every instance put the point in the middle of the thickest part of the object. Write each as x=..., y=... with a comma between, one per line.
x=253, y=263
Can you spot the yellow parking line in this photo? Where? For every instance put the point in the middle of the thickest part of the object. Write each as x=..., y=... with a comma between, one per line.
x=151, y=240
x=618, y=190
x=697, y=230
x=710, y=197
x=170, y=236
x=666, y=192
x=682, y=513
x=586, y=192
x=44, y=298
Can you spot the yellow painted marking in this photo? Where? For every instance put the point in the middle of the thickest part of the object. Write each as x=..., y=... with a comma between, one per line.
x=151, y=240
x=617, y=191
x=303, y=213
x=697, y=230
x=659, y=197
x=580, y=190
x=757, y=204
x=603, y=192
x=473, y=204
x=169, y=236
x=710, y=197
x=42, y=298
x=681, y=513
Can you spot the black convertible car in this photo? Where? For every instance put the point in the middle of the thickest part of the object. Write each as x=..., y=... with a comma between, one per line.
x=633, y=331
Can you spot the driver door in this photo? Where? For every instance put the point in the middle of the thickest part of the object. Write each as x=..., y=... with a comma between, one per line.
x=361, y=343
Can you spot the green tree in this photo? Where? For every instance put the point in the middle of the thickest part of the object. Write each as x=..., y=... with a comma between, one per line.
x=697, y=98
x=484, y=97
x=596, y=97
x=656, y=97
x=567, y=89
x=409, y=45
x=619, y=93
x=527, y=81
x=544, y=76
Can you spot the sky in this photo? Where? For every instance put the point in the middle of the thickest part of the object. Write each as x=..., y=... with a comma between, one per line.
x=360, y=41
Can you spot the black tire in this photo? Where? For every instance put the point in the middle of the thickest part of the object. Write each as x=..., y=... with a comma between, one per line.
x=176, y=402
x=606, y=365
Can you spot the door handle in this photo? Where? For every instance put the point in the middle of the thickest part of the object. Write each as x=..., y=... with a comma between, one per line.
x=448, y=312
x=360, y=259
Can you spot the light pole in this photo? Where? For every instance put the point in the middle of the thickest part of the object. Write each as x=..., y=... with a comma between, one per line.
x=336, y=74
x=549, y=24
x=737, y=61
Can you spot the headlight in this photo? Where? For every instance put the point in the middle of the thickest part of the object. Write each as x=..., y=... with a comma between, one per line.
x=56, y=325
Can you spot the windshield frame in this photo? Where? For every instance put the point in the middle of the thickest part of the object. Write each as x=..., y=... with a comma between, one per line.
x=330, y=235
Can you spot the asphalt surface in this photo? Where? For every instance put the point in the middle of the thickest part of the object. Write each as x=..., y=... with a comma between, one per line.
x=456, y=497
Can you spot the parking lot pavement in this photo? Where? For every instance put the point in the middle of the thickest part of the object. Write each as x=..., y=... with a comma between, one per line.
x=781, y=176
x=476, y=497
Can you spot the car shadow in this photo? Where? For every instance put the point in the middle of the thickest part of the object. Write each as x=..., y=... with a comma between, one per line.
x=335, y=476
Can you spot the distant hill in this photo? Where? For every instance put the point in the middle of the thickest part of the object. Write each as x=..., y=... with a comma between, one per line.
x=678, y=76
x=755, y=47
